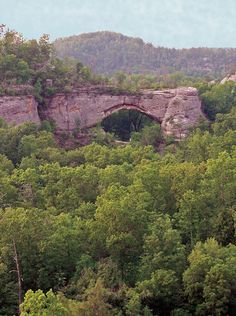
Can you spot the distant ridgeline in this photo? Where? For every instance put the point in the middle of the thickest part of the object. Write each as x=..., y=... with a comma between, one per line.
x=108, y=52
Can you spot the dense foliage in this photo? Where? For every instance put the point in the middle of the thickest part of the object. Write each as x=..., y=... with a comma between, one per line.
x=33, y=65
x=108, y=52
x=118, y=230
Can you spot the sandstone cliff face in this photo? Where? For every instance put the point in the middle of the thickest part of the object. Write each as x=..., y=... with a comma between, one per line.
x=175, y=109
x=19, y=109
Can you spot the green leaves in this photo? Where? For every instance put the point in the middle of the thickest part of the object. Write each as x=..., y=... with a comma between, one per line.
x=219, y=99
x=111, y=227
x=12, y=68
x=210, y=279
x=38, y=303
x=163, y=248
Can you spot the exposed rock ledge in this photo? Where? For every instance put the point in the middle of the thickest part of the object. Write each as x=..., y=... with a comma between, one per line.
x=19, y=109
x=231, y=77
x=175, y=109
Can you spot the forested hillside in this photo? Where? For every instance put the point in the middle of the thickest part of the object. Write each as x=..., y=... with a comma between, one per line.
x=118, y=230
x=108, y=52
x=114, y=229
x=26, y=66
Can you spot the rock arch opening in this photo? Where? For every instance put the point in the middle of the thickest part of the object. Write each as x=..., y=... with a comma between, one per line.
x=172, y=108
x=124, y=122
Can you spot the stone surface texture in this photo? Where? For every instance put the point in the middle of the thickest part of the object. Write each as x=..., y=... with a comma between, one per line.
x=175, y=109
x=16, y=110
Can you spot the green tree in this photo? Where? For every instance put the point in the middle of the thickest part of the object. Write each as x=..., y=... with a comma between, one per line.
x=210, y=279
x=219, y=99
x=40, y=304
x=120, y=222
x=161, y=265
x=96, y=302
x=22, y=230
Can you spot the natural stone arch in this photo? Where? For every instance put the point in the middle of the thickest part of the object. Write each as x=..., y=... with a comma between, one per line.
x=120, y=107
x=176, y=109
x=124, y=119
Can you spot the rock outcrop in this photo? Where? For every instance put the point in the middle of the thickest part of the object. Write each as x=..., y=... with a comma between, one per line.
x=16, y=110
x=231, y=77
x=175, y=109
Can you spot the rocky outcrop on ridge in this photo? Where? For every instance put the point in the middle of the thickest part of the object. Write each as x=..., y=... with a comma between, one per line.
x=175, y=109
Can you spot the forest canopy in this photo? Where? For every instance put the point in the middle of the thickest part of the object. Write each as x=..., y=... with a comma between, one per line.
x=120, y=229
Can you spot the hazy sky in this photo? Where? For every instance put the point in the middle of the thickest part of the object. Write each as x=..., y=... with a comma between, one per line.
x=172, y=23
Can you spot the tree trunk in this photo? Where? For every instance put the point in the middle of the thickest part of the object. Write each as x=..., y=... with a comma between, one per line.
x=16, y=258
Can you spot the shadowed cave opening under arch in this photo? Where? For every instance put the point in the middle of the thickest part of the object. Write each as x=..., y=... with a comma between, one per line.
x=124, y=122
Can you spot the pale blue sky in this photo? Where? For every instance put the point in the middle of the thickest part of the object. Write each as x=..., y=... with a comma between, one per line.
x=171, y=23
